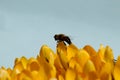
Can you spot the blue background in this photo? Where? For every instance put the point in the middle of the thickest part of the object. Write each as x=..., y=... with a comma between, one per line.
x=25, y=25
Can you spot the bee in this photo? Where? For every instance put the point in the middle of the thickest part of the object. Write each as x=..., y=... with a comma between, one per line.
x=62, y=37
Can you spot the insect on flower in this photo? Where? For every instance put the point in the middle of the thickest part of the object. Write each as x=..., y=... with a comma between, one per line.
x=62, y=37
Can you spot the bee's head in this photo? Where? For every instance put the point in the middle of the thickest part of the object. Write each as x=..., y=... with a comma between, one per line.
x=56, y=37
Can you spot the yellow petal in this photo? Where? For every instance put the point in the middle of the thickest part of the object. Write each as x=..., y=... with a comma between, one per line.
x=57, y=62
x=75, y=65
x=89, y=71
x=116, y=72
x=101, y=53
x=39, y=75
x=20, y=64
x=59, y=68
x=105, y=54
x=91, y=76
x=97, y=62
x=89, y=67
x=61, y=46
x=47, y=58
x=49, y=69
x=18, y=68
x=106, y=71
x=36, y=76
x=64, y=60
x=33, y=64
x=108, y=56
x=70, y=74
x=107, y=68
x=82, y=57
x=53, y=72
x=47, y=54
x=9, y=70
x=24, y=75
x=16, y=61
x=62, y=51
x=90, y=50
x=72, y=50
x=24, y=61
x=72, y=63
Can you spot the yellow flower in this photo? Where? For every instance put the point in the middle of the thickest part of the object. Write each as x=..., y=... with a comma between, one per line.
x=67, y=63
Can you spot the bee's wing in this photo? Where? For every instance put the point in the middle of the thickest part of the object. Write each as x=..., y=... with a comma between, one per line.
x=71, y=37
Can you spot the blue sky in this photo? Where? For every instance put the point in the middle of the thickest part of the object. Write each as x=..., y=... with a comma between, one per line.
x=26, y=25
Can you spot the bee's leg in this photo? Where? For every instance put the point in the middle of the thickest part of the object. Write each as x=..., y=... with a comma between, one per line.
x=61, y=41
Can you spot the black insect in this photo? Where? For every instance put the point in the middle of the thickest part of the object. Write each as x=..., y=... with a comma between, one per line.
x=62, y=37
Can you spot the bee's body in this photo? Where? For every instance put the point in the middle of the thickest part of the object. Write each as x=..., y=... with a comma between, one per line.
x=62, y=37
